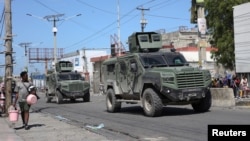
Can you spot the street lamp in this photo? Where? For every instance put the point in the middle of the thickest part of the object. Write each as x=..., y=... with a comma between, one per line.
x=54, y=19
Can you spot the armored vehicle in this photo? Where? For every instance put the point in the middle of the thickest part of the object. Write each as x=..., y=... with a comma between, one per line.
x=62, y=83
x=154, y=78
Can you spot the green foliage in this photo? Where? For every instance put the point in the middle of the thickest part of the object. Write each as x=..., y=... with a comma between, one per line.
x=219, y=16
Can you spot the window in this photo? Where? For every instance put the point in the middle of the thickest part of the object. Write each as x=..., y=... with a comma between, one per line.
x=123, y=68
x=144, y=38
x=156, y=38
x=177, y=61
x=153, y=60
x=69, y=64
x=63, y=65
x=110, y=67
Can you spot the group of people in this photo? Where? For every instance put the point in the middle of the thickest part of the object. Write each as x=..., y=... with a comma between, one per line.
x=22, y=89
x=239, y=85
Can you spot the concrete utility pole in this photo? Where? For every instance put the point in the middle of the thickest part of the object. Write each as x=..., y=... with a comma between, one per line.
x=201, y=36
x=26, y=45
x=8, y=54
x=54, y=19
x=118, y=27
x=143, y=20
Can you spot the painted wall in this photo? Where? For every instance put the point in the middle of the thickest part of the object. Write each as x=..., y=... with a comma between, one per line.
x=78, y=60
x=241, y=37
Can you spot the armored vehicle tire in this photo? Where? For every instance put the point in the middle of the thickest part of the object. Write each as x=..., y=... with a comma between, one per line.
x=86, y=97
x=205, y=103
x=111, y=102
x=152, y=104
x=59, y=97
x=47, y=98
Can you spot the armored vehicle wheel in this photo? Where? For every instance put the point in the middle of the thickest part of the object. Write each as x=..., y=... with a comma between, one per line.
x=111, y=103
x=152, y=104
x=59, y=97
x=47, y=98
x=205, y=103
x=86, y=97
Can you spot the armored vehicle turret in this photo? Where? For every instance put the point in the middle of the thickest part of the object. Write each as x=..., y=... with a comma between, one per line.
x=154, y=78
x=63, y=83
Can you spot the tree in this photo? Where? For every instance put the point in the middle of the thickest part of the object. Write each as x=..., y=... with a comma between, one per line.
x=219, y=17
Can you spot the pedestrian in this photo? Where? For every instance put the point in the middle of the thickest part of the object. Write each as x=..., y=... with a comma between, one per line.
x=21, y=90
x=244, y=85
x=236, y=86
x=2, y=98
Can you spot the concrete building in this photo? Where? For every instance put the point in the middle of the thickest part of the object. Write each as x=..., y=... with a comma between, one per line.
x=81, y=61
x=241, y=15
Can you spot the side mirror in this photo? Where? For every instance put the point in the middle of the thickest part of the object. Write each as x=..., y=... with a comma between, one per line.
x=133, y=67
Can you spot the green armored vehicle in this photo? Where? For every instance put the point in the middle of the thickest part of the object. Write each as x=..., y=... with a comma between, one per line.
x=154, y=78
x=66, y=84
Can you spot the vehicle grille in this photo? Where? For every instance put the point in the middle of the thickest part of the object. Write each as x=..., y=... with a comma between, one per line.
x=75, y=87
x=190, y=80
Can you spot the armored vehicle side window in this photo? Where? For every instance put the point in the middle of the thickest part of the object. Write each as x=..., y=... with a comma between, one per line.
x=123, y=68
x=111, y=67
x=133, y=66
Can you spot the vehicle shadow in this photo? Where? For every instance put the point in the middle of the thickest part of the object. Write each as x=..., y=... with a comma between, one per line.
x=167, y=111
x=70, y=101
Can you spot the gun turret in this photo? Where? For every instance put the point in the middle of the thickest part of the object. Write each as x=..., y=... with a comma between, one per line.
x=145, y=42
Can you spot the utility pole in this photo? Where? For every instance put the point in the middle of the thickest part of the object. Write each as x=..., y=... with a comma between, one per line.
x=201, y=35
x=26, y=45
x=119, y=34
x=143, y=20
x=198, y=17
x=8, y=54
x=54, y=19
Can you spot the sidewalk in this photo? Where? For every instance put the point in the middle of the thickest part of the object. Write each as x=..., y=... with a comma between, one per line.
x=7, y=133
x=44, y=127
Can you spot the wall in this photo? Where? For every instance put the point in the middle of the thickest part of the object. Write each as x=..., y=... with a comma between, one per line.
x=241, y=15
x=78, y=60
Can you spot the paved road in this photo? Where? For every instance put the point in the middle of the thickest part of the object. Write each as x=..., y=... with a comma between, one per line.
x=177, y=123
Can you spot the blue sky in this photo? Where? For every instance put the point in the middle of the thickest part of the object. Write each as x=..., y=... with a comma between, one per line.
x=93, y=29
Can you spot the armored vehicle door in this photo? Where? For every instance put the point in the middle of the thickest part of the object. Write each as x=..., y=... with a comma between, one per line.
x=122, y=76
x=133, y=80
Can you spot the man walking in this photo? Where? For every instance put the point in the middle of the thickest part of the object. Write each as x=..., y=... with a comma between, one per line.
x=21, y=90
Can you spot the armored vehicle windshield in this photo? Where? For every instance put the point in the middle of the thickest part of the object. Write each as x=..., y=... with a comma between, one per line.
x=67, y=76
x=162, y=59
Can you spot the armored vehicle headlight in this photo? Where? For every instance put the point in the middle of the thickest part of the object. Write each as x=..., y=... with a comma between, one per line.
x=64, y=86
x=168, y=79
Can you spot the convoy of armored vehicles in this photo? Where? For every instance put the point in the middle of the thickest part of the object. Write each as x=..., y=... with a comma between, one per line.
x=147, y=74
